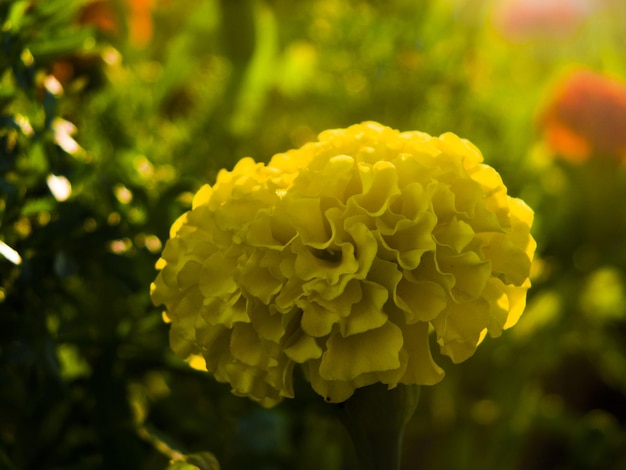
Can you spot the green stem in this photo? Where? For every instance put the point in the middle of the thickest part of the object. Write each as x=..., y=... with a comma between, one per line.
x=375, y=418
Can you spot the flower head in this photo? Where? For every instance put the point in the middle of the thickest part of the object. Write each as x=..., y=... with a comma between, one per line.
x=340, y=258
x=587, y=117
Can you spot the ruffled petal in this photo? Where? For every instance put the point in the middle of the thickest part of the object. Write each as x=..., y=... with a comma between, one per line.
x=317, y=321
x=459, y=328
x=332, y=391
x=302, y=348
x=340, y=362
x=368, y=313
x=420, y=300
x=380, y=187
x=421, y=368
x=246, y=346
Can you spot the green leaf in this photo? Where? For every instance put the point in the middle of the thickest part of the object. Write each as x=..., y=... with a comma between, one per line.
x=196, y=461
x=37, y=158
x=37, y=206
x=180, y=465
x=203, y=461
x=65, y=43
x=16, y=15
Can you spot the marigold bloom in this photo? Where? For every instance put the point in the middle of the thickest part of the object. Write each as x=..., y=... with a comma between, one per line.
x=587, y=116
x=339, y=257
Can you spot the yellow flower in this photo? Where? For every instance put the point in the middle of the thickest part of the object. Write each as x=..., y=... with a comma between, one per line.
x=341, y=258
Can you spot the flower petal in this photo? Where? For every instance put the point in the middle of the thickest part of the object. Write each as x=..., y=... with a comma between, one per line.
x=348, y=357
x=420, y=300
x=302, y=348
x=421, y=368
x=368, y=313
x=459, y=328
x=380, y=187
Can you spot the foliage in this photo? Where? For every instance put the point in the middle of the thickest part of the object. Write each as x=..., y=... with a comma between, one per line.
x=112, y=113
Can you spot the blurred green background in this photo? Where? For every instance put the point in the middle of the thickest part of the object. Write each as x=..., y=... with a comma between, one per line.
x=112, y=113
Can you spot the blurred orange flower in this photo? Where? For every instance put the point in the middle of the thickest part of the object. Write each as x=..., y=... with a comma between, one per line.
x=99, y=14
x=526, y=19
x=105, y=15
x=586, y=117
x=140, y=21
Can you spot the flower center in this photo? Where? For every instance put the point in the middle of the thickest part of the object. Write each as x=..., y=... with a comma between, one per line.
x=333, y=256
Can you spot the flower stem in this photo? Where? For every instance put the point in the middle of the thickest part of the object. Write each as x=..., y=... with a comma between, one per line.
x=375, y=418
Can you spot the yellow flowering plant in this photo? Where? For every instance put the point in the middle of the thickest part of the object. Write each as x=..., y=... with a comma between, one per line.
x=341, y=258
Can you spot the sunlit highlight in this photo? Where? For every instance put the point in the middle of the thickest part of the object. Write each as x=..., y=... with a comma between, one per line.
x=59, y=186
x=10, y=254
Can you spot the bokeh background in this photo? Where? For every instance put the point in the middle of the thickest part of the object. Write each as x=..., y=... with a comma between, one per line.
x=113, y=112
